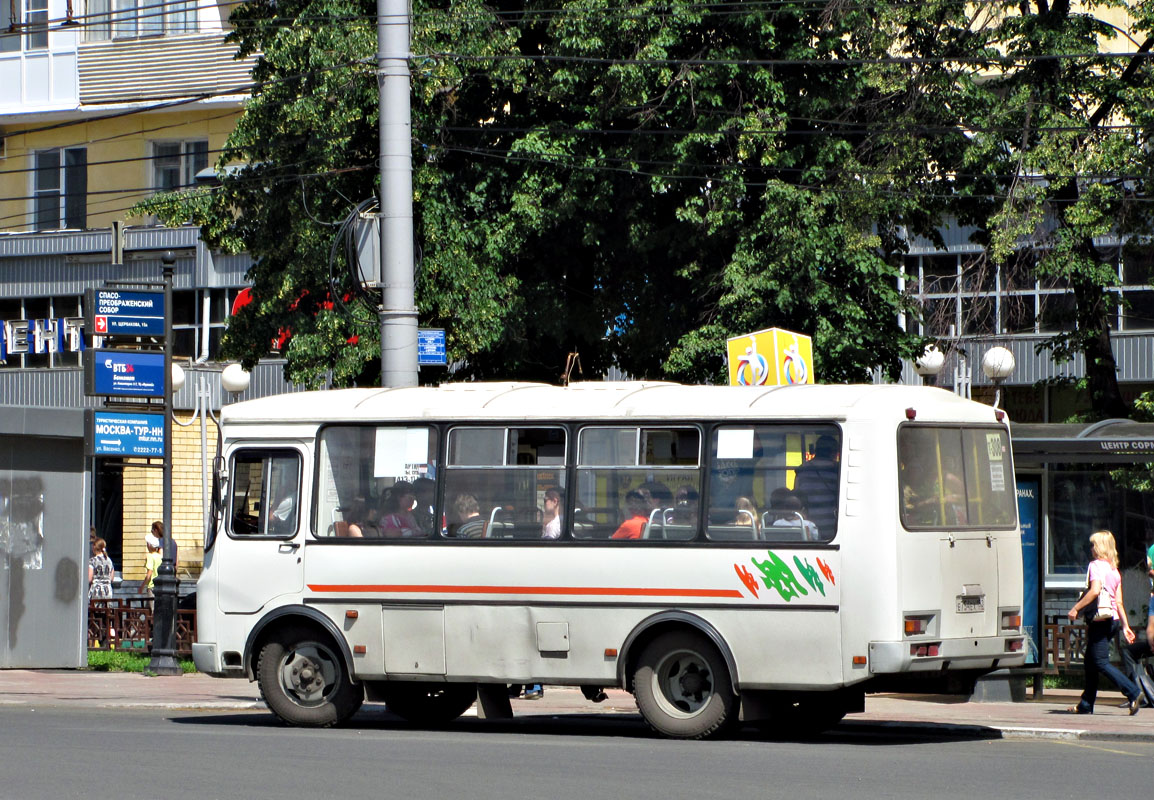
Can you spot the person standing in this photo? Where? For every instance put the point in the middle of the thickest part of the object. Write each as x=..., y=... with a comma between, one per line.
x=1104, y=584
x=100, y=571
x=1135, y=651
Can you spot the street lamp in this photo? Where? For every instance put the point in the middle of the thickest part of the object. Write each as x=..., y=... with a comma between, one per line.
x=930, y=364
x=998, y=363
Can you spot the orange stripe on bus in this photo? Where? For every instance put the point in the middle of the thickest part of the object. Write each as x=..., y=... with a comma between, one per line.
x=569, y=590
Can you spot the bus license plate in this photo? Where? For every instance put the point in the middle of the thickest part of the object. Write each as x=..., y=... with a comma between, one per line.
x=970, y=605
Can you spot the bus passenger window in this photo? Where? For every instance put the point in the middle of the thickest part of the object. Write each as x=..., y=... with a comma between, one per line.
x=638, y=484
x=499, y=481
x=374, y=483
x=774, y=483
x=265, y=490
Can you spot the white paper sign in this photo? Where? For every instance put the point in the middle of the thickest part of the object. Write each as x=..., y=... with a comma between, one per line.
x=396, y=448
x=735, y=443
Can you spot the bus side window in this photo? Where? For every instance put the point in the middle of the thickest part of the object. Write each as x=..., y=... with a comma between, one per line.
x=265, y=493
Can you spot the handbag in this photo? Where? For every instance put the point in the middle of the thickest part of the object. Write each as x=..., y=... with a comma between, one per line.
x=1091, y=613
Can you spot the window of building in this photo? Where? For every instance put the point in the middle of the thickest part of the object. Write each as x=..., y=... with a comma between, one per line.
x=129, y=19
x=36, y=22
x=189, y=315
x=175, y=164
x=60, y=188
x=9, y=36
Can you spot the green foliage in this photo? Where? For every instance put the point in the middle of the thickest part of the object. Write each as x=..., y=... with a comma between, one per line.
x=124, y=661
x=639, y=180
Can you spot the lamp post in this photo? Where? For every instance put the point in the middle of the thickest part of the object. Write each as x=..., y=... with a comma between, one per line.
x=164, y=660
x=998, y=363
x=930, y=364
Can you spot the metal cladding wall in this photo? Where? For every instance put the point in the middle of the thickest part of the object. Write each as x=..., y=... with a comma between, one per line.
x=43, y=539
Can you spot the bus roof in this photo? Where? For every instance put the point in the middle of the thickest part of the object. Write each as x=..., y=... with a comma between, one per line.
x=594, y=400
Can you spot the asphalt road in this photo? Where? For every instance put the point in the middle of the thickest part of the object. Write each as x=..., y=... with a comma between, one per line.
x=61, y=753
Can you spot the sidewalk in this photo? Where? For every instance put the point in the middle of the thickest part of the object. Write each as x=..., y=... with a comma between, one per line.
x=914, y=715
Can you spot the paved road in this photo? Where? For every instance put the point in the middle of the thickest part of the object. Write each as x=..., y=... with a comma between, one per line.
x=87, y=752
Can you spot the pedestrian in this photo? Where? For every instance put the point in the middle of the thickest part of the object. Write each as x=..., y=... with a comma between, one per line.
x=1134, y=652
x=151, y=562
x=1101, y=605
x=100, y=571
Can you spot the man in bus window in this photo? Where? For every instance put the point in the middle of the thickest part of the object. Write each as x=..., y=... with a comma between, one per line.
x=816, y=484
x=469, y=513
x=637, y=507
x=425, y=490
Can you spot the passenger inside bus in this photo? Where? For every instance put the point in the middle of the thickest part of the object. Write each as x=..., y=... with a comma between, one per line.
x=551, y=517
x=425, y=491
x=358, y=524
x=788, y=516
x=472, y=524
x=746, y=515
x=816, y=483
x=637, y=508
x=398, y=521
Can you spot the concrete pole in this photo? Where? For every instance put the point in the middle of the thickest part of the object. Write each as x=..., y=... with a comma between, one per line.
x=398, y=312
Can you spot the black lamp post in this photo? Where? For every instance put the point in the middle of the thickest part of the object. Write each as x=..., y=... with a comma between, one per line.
x=164, y=661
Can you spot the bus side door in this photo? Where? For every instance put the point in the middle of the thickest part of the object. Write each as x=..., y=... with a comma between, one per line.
x=262, y=552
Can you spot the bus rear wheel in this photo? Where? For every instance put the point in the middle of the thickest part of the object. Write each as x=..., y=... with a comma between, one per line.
x=683, y=688
x=304, y=681
x=426, y=703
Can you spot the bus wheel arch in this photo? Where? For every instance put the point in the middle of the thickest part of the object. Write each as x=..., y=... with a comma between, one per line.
x=652, y=627
x=303, y=674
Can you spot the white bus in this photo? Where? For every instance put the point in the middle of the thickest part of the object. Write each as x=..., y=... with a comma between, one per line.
x=726, y=554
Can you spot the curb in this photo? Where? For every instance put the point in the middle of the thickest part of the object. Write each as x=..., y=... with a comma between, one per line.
x=955, y=731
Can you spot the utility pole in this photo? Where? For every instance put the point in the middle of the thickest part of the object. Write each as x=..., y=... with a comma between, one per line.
x=398, y=312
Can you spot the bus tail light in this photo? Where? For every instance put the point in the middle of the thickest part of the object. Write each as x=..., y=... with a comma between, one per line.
x=925, y=650
x=1011, y=620
x=1014, y=645
x=918, y=625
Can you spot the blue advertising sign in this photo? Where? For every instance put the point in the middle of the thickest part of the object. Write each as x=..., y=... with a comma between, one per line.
x=116, y=433
x=1029, y=495
x=114, y=312
x=123, y=373
x=431, y=347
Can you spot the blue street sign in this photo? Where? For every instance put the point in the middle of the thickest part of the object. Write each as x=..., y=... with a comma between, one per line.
x=114, y=312
x=431, y=347
x=123, y=373
x=115, y=433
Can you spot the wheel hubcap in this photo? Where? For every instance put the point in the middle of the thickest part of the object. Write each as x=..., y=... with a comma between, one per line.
x=684, y=683
x=309, y=674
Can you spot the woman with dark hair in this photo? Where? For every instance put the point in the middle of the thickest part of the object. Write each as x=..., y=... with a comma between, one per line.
x=100, y=571
x=397, y=519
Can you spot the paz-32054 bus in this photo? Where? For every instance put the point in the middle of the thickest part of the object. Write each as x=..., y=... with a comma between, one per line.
x=726, y=554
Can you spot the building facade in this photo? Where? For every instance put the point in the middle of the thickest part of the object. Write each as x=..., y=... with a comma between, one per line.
x=102, y=105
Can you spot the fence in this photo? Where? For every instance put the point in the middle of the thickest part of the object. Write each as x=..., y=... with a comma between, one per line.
x=125, y=623
x=1063, y=646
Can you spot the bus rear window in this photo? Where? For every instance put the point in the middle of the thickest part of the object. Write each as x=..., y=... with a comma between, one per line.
x=955, y=477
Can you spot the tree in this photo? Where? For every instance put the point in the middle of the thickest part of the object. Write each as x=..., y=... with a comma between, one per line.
x=1059, y=157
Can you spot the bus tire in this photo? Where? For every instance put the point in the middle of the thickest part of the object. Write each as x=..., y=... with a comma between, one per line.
x=683, y=687
x=428, y=703
x=304, y=681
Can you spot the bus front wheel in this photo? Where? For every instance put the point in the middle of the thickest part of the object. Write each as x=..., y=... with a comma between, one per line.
x=303, y=680
x=428, y=703
x=683, y=688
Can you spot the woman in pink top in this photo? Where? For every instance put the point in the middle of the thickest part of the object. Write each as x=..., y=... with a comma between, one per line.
x=1104, y=582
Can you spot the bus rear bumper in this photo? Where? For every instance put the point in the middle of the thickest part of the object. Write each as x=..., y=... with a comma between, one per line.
x=204, y=655
x=961, y=654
